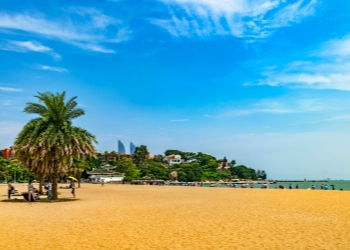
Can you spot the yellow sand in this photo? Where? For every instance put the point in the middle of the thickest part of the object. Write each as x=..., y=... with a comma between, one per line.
x=155, y=217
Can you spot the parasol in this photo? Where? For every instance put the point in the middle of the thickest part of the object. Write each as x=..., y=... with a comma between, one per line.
x=73, y=178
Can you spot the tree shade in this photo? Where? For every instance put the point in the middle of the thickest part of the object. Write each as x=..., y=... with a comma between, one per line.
x=47, y=144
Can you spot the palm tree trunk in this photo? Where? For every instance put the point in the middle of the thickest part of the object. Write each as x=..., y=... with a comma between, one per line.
x=41, y=181
x=54, y=182
x=79, y=177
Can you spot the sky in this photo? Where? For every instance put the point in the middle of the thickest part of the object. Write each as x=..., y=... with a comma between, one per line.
x=263, y=82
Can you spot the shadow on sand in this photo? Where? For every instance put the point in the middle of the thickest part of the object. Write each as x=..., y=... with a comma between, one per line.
x=21, y=199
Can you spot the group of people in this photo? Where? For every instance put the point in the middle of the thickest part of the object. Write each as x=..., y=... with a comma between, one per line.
x=247, y=185
x=313, y=187
x=33, y=193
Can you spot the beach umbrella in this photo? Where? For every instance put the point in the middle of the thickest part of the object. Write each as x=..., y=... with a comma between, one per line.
x=73, y=178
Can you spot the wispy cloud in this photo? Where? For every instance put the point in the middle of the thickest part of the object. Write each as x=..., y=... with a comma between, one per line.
x=57, y=69
x=86, y=28
x=28, y=46
x=7, y=89
x=327, y=68
x=340, y=117
x=93, y=47
x=275, y=107
x=180, y=120
x=245, y=18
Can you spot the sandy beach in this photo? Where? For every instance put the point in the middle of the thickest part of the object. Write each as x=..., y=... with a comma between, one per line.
x=156, y=217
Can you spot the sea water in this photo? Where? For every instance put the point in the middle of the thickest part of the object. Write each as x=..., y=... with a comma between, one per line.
x=345, y=185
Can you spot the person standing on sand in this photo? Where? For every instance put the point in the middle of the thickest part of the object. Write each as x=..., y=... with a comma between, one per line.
x=48, y=187
x=102, y=183
x=30, y=191
x=322, y=186
x=9, y=189
x=297, y=186
x=72, y=185
x=290, y=186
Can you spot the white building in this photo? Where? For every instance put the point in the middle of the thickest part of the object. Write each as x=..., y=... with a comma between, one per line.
x=173, y=159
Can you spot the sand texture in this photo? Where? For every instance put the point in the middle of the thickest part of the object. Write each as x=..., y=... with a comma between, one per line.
x=155, y=217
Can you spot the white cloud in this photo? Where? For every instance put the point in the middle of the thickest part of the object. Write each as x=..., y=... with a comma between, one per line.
x=340, y=117
x=275, y=107
x=87, y=30
x=93, y=47
x=7, y=89
x=241, y=18
x=293, y=13
x=328, y=68
x=28, y=46
x=339, y=48
x=57, y=69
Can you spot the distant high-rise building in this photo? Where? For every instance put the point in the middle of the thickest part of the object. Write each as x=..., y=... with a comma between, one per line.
x=121, y=148
x=132, y=148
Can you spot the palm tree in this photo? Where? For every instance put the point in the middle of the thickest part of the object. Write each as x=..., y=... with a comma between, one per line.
x=49, y=143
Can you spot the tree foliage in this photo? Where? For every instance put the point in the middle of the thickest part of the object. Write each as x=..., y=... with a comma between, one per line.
x=243, y=172
x=127, y=166
x=140, y=154
x=154, y=169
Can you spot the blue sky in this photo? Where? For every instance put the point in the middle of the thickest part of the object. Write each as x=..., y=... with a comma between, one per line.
x=264, y=82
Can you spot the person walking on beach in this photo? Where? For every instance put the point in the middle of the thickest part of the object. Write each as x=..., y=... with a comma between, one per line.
x=9, y=189
x=322, y=186
x=313, y=187
x=30, y=191
x=102, y=183
x=297, y=186
x=290, y=186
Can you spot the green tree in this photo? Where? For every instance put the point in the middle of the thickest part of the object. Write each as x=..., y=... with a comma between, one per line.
x=173, y=152
x=258, y=173
x=154, y=169
x=158, y=158
x=243, y=172
x=140, y=154
x=6, y=167
x=204, y=159
x=127, y=166
x=190, y=172
x=212, y=165
x=114, y=155
x=263, y=175
x=48, y=143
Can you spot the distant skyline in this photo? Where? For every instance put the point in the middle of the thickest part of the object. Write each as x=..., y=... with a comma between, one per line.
x=264, y=82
